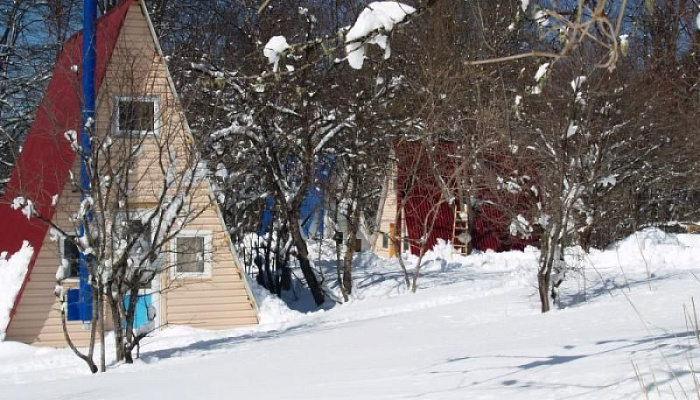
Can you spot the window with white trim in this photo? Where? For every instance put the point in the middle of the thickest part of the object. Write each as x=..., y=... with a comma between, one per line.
x=136, y=115
x=70, y=258
x=192, y=254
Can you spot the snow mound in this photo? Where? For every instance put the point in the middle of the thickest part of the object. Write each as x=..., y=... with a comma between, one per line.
x=272, y=309
x=12, y=273
x=646, y=239
x=651, y=251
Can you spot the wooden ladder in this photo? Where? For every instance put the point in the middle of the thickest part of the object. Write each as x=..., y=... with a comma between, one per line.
x=460, y=230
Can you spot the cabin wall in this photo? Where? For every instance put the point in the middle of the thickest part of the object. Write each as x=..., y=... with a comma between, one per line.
x=38, y=317
x=220, y=300
x=216, y=301
x=387, y=220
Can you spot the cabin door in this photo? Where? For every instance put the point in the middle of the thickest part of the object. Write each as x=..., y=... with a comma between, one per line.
x=147, y=313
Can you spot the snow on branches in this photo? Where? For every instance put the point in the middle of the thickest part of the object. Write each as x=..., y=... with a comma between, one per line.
x=275, y=49
x=372, y=27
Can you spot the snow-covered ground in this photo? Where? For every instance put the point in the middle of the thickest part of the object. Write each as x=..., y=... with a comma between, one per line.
x=472, y=331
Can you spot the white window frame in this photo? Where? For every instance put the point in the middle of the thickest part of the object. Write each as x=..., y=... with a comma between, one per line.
x=156, y=115
x=61, y=250
x=208, y=255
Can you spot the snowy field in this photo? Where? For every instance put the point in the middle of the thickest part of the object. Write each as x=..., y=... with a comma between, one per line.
x=624, y=330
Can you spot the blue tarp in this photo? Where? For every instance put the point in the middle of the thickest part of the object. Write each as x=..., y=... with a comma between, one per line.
x=312, y=209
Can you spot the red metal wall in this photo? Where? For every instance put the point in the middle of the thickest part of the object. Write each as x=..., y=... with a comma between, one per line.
x=425, y=204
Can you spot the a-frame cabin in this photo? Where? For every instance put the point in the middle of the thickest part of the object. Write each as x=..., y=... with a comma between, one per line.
x=413, y=206
x=131, y=69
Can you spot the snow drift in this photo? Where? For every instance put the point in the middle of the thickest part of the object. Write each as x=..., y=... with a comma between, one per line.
x=12, y=273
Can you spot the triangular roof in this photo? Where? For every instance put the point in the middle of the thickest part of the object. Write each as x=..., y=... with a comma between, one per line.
x=43, y=166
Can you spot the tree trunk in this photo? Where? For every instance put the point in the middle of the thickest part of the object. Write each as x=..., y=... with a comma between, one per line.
x=402, y=264
x=101, y=321
x=549, y=243
x=416, y=273
x=310, y=277
x=116, y=322
x=88, y=360
x=347, y=274
x=543, y=288
x=303, y=257
x=285, y=274
x=129, y=322
x=353, y=223
x=94, y=318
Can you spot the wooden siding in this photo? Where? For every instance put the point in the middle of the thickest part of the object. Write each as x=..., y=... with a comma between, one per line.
x=218, y=301
x=38, y=317
x=387, y=218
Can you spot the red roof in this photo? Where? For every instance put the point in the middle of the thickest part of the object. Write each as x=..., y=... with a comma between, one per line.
x=44, y=164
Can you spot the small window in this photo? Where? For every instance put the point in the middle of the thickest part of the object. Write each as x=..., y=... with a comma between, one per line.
x=70, y=258
x=385, y=240
x=136, y=116
x=192, y=255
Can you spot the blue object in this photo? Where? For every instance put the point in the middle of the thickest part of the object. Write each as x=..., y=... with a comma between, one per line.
x=141, y=313
x=267, y=215
x=88, y=118
x=312, y=211
x=77, y=307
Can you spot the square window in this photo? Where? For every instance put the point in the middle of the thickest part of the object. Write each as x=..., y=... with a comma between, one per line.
x=192, y=255
x=136, y=115
x=70, y=258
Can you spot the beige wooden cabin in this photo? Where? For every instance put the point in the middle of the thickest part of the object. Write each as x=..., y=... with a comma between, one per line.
x=214, y=293
x=385, y=241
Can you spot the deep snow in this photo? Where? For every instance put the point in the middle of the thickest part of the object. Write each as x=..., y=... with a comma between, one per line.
x=13, y=269
x=472, y=331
